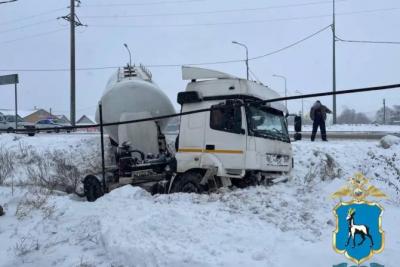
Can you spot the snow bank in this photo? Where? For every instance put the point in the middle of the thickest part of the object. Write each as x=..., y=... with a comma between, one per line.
x=52, y=160
x=389, y=140
x=288, y=224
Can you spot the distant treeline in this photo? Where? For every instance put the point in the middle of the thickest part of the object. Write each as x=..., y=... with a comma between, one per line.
x=391, y=115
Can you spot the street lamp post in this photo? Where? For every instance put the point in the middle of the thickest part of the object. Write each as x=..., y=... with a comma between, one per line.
x=302, y=103
x=130, y=56
x=284, y=78
x=247, y=57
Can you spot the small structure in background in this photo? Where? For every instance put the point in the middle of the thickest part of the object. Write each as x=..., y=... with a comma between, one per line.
x=61, y=118
x=35, y=115
x=28, y=115
x=87, y=121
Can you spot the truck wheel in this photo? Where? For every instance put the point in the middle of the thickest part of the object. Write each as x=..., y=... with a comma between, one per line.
x=31, y=134
x=92, y=189
x=10, y=130
x=188, y=182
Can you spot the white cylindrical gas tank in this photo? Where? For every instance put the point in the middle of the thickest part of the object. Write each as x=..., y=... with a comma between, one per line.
x=132, y=93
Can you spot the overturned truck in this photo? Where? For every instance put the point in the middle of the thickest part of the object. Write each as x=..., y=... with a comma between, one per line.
x=236, y=141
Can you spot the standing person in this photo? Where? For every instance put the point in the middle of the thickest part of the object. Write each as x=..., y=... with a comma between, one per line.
x=318, y=115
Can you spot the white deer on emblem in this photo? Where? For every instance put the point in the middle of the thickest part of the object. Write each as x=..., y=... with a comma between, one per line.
x=354, y=229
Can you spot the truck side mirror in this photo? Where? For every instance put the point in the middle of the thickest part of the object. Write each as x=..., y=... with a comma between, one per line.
x=297, y=128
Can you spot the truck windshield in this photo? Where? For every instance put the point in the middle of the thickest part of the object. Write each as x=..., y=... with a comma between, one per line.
x=268, y=123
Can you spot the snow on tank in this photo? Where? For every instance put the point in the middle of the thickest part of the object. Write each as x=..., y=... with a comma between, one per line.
x=131, y=90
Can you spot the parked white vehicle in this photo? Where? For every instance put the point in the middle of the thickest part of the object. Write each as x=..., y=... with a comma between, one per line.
x=7, y=122
x=235, y=143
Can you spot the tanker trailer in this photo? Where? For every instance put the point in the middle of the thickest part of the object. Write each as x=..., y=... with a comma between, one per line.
x=238, y=138
x=131, y=94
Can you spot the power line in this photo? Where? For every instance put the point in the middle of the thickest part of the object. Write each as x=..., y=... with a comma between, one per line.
x=164, y=25
x=144, y=3
x=254, y=76
x=291, y=45
x=223, y=23
x=367, y=42
x=27, y=26
x=179, y=65
x=212, y=11
x=32, y=16
x=32, y=36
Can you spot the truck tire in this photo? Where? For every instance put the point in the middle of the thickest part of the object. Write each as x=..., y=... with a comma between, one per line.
x=188, y=182
x=92, y=189
x=10, y=130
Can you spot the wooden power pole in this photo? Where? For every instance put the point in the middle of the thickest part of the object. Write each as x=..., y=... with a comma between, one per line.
x=384, y=111
x=334, y=64
x=74, y=22
x=72, y=74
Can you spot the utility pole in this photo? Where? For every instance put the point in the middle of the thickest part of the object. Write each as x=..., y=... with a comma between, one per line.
x=74, y=22
x=302, y=103
x=72, y=73
x=334, y=64
x=384, y=111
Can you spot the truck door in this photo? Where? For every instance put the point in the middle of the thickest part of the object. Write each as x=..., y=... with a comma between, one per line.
x=225, y=137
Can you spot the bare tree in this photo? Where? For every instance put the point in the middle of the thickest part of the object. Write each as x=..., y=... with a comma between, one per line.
x=350, y=116
x=6, y=164
x=387, y=113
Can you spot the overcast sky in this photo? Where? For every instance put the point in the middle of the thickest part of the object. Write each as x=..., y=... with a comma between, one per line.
x=169, y=32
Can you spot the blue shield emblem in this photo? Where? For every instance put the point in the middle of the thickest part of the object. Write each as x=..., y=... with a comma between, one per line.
x=358, y=232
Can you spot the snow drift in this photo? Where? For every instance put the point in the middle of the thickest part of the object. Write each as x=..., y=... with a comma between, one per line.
x=288, y=224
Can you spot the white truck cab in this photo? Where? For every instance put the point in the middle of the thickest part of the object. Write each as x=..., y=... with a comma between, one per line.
x=237, y=138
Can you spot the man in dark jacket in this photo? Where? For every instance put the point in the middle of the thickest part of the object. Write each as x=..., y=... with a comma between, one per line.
x=318, y=115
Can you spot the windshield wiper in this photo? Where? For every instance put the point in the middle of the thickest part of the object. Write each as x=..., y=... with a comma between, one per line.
x=275, y=134
x=269, y=134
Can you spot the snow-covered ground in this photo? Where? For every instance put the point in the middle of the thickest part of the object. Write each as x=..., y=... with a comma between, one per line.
x=355, y=128
x=288, y=224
